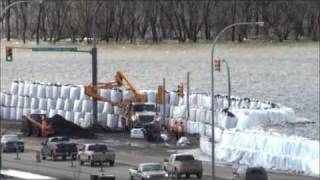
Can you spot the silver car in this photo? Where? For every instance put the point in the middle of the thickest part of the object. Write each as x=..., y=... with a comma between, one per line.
x=12, y=143
x=147, y=171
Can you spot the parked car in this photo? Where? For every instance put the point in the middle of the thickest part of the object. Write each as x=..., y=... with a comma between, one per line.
x=148, y=171
x=250, y=173
x=12, y=143
x=183, y=164
x=96, y=153
x=58, y=146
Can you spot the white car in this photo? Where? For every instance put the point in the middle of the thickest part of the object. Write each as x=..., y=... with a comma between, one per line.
x=148, y=171
x=96, y=153
x=12, y=143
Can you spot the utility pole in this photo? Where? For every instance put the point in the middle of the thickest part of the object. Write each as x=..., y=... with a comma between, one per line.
x=94, y=65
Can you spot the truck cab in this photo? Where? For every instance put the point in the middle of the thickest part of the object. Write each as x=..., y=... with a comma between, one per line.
x=141, y=113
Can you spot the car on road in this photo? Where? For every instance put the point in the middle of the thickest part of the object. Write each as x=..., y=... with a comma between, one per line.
x=96, y=153
x=12, y=143
x=146, y=171
x=58, y=146
x=183, y=164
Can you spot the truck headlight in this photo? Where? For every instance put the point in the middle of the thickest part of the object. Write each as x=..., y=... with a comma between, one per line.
x=134, y=117
x=148, y=177
x=166, y=175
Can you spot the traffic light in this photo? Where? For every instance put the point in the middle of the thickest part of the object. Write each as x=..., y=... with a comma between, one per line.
x=180, y=90
x=160, y=95
x=217, y=65
x=9, y=56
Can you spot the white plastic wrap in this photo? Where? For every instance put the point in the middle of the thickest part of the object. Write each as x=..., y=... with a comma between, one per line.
x=193, y=100
x=51, y=104
x=77, y=117
x=20, y=102
x=77, y=106
x=35, y=111
x=56, y=91
x=65, y=92
x=60, y=104
x=26, y=102
x=41, y=92
x=7, y=100
x=34, y=103
x=193, y=127
x=126, y=94
x=105, y=93
x=26, y=90
x=179, y=112
x=68, y=105
x=112, y=121
x=43, y=104
x=152, y=96
x=88, y=120
x=100, y=106
x=102, y=119
x=61, y=113
x=14, y=100
x=49, y=91
x=83, y=95
x=118, y=110
x=44, y=112
x=86, y=106
x=75, y=92
x=2, y=98
x=21, y=88
x=14, y=87
x=116, y=96
x=174, y=99
x=193, y=114
x=33, y=90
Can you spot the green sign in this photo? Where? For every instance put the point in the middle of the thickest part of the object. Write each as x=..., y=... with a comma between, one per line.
x=65, y=49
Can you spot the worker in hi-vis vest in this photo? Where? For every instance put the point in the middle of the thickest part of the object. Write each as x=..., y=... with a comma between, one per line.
x=44, y=127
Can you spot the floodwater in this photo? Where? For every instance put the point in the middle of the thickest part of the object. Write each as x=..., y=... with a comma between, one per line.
x=285, y=73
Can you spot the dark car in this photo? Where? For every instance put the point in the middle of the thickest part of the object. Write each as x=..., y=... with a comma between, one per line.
x=59, y=146
x=12, y=143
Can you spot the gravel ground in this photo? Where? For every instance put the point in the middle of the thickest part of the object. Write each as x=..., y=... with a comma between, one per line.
x=286, y=73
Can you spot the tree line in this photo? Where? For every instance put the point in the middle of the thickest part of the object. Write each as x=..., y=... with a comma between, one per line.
x=158, y=20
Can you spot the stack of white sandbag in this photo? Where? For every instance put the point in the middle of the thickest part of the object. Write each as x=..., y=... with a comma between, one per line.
x=272, y=151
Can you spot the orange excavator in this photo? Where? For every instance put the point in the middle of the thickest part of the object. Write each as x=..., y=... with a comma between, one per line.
x=138, y=110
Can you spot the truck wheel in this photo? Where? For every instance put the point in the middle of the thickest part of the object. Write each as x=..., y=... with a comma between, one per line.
x=177, y=174
x=91, y=163
x=54, y=157
x=187, y=175
x=111, y=163
x=131, y=178
x=64, y=158
x=74, y=157
x=81, y=163
x=199, y=175
x=44, y=157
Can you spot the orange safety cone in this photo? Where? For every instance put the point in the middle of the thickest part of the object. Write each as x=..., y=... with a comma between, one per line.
x=38, y=159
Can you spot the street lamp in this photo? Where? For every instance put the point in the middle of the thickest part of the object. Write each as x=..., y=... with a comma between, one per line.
x=212, y=85
x=3, y=12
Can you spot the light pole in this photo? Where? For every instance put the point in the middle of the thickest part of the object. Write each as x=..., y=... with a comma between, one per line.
x=3, y=12
x=212, y=85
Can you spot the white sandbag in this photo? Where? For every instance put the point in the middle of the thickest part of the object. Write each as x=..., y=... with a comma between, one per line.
x=87, y=121
x=108, y=108
x=14, y=87
x=205, y=145
x=52, y=112
x=2, y=98
x=201, y=115
x=126, y=94
x=56, y=91
x=45, y=112
x=174, y=99
x=65, y=92
x=105, y=93
x=35, y=111
x=75, y=92
x=21, y=88
x=51, y=104
x=121, y=122
x=26, y=111
x=69, y=116
x=167, y=111
x=41, y=92
x=33, y=90
x=152, y=96
x=118, y=110
x=193, y=127
x=77, y=117
x=103, y=117
x=13, y=112
x=228, y=121
x=112, y=121
x=5, y=112
x=202, y=129
x=86, y=106
x=217, y=133
x=34, y=103
x=193, y=100
x=83, y=95
x=137, y=133
x=68, y=105
x=14, y=100
x=26, y=102
x=60, y=104
x=179, y=112
x=61, y=113
x=77, y=106
x=183, y=141
x=100, y=106
x=116, y=96
x=43, y=104
x=26, y=90
x=243, y=121
x=20, y=102
x=193, y=114
x=209, y=117
x=7, y=101
x=49, y=91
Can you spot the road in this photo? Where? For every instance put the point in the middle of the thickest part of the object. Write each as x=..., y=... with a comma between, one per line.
x=126, y=156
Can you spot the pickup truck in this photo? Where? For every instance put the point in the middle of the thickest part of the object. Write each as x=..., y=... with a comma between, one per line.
x=96, y=153
x=148, y=171
x=179, y=164
x=58, y=146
